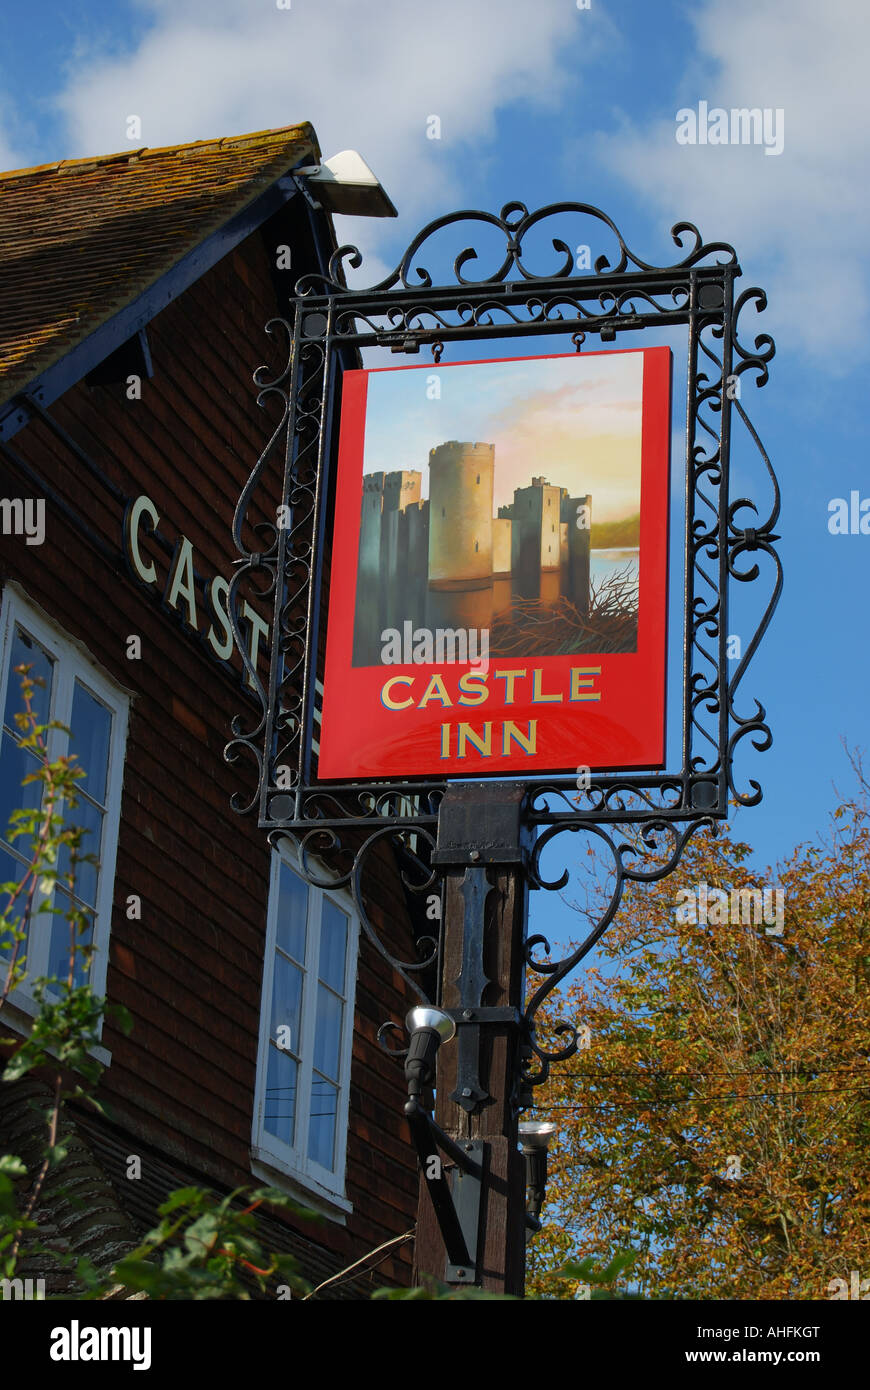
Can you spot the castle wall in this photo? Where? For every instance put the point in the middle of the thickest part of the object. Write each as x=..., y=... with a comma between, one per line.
x=579, y=538
x=501, y=565
x=501, y=546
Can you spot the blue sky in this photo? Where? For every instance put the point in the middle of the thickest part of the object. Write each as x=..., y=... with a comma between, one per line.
x=576, y=419
x=540, y=102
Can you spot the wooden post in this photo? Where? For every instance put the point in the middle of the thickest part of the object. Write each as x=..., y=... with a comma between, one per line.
x=501, y=1247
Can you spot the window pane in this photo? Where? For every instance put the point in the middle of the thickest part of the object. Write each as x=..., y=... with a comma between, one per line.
x=26, y=652
x=327, y=1037
x=292, y=913
x=15, y=764
x=91, y=730
x=321, y=1129
x=59, y=946
x=87, y=875
x=12, y=871
x=279, y=1110
x=286, y=1000
x=333, y=946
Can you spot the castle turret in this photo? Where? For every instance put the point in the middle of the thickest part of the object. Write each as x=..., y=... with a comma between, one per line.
x=402, y=489
x=460, y=534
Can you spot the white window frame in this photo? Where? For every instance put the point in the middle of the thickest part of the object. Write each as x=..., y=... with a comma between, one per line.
x=73, y=662
x=271, y=1156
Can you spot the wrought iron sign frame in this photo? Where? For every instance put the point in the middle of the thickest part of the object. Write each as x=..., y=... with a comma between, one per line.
x=337, y=826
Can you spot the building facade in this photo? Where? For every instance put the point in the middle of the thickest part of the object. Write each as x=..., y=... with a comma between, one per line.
x=137, y=291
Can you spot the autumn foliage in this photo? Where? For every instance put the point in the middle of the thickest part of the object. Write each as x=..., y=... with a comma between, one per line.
x=718, y=1123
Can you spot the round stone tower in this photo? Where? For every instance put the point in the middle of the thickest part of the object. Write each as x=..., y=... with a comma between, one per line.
x=460, y=534
x=460, y=511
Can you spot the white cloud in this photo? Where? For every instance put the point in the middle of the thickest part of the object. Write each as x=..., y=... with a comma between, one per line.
x=800, y=221
x=9, y=159
x=368, y=76
x=13, y=137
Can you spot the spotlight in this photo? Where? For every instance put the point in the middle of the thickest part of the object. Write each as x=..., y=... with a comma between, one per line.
x=535, y=1136
x=428, y=1029
x=345, y=184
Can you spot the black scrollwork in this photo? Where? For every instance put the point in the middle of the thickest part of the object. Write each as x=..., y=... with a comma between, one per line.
x=514, y=222
x=534, y=286
x=629, y=863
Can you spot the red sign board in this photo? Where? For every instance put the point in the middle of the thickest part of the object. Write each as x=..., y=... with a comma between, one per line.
x=498, y=591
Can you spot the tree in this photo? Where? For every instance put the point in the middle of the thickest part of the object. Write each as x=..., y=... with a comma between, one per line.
x=718, y=1122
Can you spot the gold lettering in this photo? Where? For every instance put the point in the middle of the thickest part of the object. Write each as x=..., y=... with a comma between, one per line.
x=582, y=676
x=478, y=692
x=538, y=697
x=528, y=742
x=509, y=677
x=435, y=690
x=482, y=742
x=386, y=695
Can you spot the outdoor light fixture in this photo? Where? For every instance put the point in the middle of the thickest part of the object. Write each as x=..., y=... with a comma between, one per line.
x=428, y=1028
x=535, y=1136
x=345, y=184
x=456, y=1200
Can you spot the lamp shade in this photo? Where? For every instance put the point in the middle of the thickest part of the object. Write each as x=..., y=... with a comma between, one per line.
x=536, y=1134
x=424, y=1016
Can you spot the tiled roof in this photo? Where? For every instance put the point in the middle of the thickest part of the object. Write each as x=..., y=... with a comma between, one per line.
x=82, y=238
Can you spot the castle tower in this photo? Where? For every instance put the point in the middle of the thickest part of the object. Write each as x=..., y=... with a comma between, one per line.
x=366, y=633
x=460, y=535
x=401, y=489
x=417, y=518
x=536, y=541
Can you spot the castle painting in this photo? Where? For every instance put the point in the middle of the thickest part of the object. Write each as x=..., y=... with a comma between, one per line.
x=475, y=536
x=498, y=582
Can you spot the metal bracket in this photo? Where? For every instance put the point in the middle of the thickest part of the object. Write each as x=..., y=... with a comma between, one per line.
x=306, y=193
x=466, y=1190
x=456, y=1202
x=482, y=823
x=472, y=981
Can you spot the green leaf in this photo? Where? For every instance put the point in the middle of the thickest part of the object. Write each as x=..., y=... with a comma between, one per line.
x=8, y=1204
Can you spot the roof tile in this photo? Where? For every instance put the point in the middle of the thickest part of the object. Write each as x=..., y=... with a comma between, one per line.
x=82, y=238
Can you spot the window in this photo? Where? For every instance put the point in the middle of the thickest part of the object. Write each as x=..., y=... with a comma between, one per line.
x=306, y=1033
x=80, y=696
